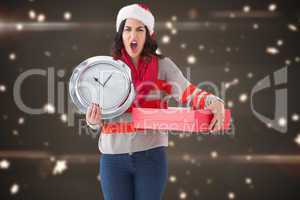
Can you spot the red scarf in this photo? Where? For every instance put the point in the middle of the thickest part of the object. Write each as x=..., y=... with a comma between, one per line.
x=144, y=76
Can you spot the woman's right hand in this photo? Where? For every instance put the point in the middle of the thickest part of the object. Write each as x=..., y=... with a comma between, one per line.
x=93, y=114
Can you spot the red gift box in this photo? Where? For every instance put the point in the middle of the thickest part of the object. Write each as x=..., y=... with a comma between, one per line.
x=176, y=119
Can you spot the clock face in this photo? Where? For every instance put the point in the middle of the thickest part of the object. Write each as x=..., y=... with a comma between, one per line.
x=104, y=81
x=103, y=84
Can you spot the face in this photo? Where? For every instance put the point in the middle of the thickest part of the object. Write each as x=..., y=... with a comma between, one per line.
x=134, y=36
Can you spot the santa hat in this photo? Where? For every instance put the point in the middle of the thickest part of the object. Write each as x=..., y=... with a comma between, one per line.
x=139, y=12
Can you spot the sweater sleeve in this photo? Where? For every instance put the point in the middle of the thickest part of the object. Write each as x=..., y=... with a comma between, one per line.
x=95, y=127
x=183, y=90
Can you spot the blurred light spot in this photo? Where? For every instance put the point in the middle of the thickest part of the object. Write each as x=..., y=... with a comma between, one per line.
x=21, y=120
x=47, y=53
x=19, y=27
x=41, y=18
x=272, y=7
x=297, y=139
x=171, y=143
x=182, y=195
x=246, y=8
x=279, y=42
x=4, y=164
x=63, y=118
x=2, y=88
x=243, y=98
x=31, y=14
x=174, y=31
x=60, y=167
x=250, y=75
x=158, y=51
x=191, y=59
x=186, y=157
x=231, y=15
x=12, y=56
x=15, y=132
x=235, y=81
x=165, y=39
x=255, y=26
x=228, y=49
x=201, y=47
x=248, y=181
x=287, y=62
x=172, y=179
x=292, y=27
x=248, y=158
x=209, y=181
x=14, y=189
x=272, y=50
x=52, y=158
x=295, y=117
x=49, y=108
x=231, y=195
x=230, y=104
x=282, y=122
x=67, y=16
x=169, y=25
x=269, y=125
x=214, y=154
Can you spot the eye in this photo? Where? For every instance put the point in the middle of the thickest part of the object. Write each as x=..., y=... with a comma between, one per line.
x=127, y=29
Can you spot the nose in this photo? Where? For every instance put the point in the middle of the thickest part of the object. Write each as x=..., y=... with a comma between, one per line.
x=133, y=35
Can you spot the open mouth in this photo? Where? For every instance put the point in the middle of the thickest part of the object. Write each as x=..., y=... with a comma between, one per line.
x=133, y=45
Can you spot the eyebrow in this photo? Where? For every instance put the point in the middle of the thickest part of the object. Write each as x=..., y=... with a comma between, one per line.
x=136, y=27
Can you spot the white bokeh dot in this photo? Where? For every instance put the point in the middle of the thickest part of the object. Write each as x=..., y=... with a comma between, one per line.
x=67, y=15
x=14, y=189
x=41, y=18
x=191, y=59
x=272, y=7
x=32, y=14
x=165, y=39
x=231, y=195
x=243, y=97
x=12, y=56
x=2, y=88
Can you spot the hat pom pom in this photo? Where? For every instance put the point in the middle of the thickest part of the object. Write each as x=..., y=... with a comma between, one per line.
x=144, y=6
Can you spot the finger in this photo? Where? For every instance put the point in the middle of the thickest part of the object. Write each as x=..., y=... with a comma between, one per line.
x=97, y=113
x=89, y=111
x=219, y=123
x=217, y=126
x=94, y=111
x=100, y=110
x=212, y=123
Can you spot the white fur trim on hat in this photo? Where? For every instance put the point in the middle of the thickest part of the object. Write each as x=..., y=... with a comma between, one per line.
x=138, y=12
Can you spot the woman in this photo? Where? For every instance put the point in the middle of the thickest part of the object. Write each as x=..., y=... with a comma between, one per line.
x=134, y=165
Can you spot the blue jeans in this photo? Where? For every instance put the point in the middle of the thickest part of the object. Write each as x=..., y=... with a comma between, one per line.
x=140, y=176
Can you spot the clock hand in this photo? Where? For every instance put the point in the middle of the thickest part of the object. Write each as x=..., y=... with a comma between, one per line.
x=107, y=79
x=95, y=79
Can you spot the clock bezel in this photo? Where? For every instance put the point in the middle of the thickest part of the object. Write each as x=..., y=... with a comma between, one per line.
x=90, y=62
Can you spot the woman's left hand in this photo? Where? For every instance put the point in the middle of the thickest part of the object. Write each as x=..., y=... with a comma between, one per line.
x=218, y=110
